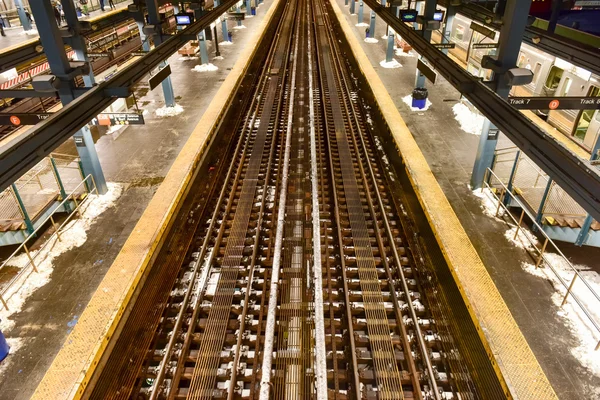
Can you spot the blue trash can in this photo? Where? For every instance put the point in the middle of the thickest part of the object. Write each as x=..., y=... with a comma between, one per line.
x=419, y=98
x=253, y=10
x=4, y=348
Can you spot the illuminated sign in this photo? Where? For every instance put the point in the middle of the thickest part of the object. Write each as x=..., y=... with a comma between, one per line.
x=408, y=15
x=438, y=16
x=184, y=19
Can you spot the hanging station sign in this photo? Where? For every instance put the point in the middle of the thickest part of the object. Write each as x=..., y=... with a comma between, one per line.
x=22, y=119
x=555, y=103
x=110, y=119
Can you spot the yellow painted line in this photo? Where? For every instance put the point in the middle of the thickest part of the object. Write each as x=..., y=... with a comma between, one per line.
x=19, y=45
x=106, y=14
x=74, y=365
x=513, y=360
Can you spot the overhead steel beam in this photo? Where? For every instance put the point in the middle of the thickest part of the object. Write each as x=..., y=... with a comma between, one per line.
x=575, y=52
x=20, y=54
x=576, y=176
x=23, y=152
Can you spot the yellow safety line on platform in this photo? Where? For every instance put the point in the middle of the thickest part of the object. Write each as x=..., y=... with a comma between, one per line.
x=513, y=360
x=74, y=365
x=18, y=45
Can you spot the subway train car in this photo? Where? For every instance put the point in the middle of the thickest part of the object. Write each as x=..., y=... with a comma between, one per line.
x=552, y=77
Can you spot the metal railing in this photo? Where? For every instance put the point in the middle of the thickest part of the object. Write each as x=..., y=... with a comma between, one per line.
x=540, y=255
x=514, y=169
x=88, y=182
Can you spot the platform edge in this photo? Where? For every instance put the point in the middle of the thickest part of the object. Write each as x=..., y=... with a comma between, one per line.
x=140, y=245
x=441, y=215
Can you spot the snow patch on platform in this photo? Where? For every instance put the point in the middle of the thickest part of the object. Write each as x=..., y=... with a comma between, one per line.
x=226, y=43
x=205, y=68
x=571, y=314
x=239, y=27
x=361, y=24
x=402, y=53
x=371, y=40
x=390, y=64
x=469, y=121
x=72, y=235
x=165, y=111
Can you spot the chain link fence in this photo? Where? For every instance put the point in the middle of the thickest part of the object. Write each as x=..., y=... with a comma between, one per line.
x=49, y=181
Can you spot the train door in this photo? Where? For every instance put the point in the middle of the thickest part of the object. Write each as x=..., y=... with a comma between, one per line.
x=584, y=123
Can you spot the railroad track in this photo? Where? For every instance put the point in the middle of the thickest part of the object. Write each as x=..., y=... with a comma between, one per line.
x=294, y=274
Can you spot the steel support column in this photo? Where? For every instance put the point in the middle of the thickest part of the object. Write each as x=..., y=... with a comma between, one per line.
x=430, y=6
x=77, y=42
x=360, y=12
x=154, y=19
x=352, y=7
x=389, y=53
x=238, y=10
x=248, y=7
x=585, y=231
x=540, y=210
x=447, y=31
x=22, y=16
x=509, y=45
x=60, y=67
x=372, y=25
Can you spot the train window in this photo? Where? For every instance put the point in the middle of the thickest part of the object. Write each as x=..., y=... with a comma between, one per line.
x=566, y=86
x=459, y=33
x=554, y=77
x=585, y=118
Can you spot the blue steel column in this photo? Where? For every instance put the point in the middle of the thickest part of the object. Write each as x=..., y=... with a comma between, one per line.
x=60, y=67
x=223, y=24
x=360, y=12
x=248, y=7
x=154, y=19
x=238, y=10
x=430, y=6
x=509, y=45
x=372, y=25
x=22, y=17
x=450, y=13
x=202, y=40
x=77, y=43
x=587, y=223
x=352, y=7
x=540, y=210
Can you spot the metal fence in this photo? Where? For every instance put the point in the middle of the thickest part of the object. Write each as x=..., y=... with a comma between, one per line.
x=73, y=197
x=577, y=288
x=49, y=181
x=513, y=169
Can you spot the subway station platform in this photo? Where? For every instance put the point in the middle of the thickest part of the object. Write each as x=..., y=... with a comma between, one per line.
x=16, y=36
x=138, y=159
x=450, y=153
x=135, y=160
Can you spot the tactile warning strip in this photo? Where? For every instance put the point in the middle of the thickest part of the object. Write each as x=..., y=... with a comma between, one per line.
x=513, y=360
x=72, y=368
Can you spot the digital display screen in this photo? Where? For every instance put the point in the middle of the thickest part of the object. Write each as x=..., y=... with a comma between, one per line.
x=408, y=15
x=183, y=19
x=438, y=16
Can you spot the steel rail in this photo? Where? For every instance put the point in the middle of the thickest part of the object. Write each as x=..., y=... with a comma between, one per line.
x=23, y=152
x=353, y=113
x=382, y=349
x=336, y=203
x=578, y=177
x=265, y=384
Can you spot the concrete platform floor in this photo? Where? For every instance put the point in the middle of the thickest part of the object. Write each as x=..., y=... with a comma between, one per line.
x=138, y=158
x=450, y=153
